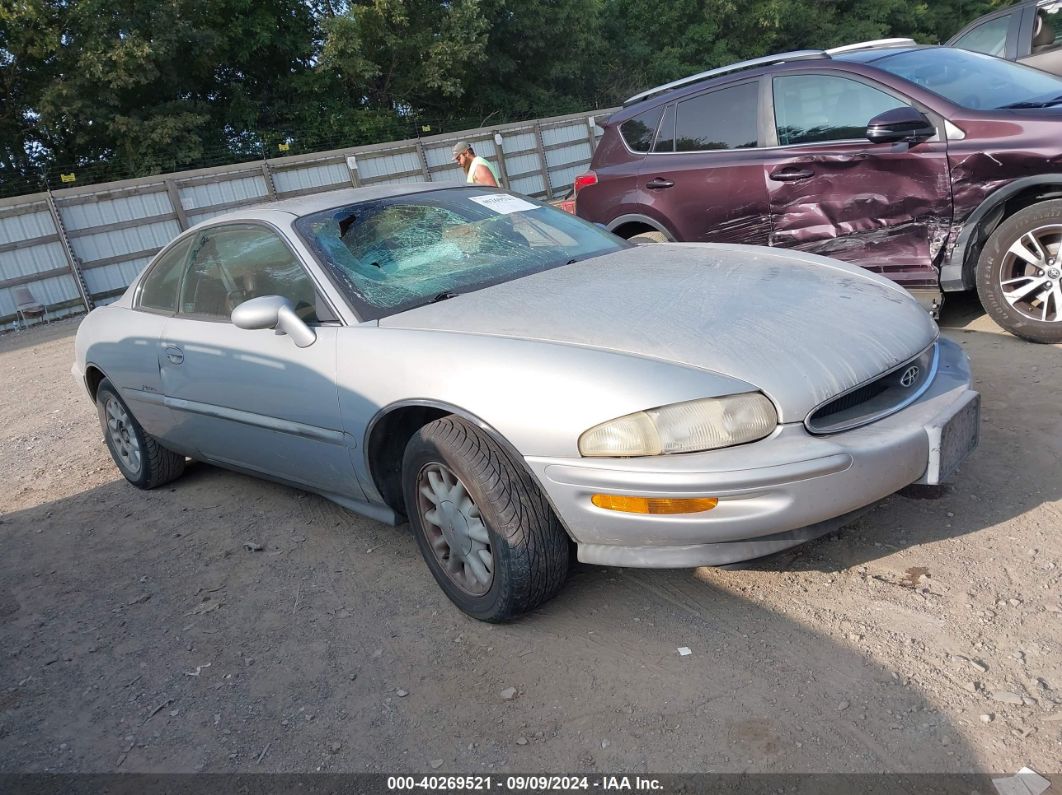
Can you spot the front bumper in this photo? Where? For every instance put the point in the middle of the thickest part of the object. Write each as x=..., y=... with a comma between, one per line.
x=773, y=494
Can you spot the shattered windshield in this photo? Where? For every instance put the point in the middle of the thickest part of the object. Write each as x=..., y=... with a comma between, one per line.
x=394, y=254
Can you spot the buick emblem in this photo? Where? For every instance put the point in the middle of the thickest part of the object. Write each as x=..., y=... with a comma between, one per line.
x=910, y=375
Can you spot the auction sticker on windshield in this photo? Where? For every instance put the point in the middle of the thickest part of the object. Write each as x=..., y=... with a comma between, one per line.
x=503, y=203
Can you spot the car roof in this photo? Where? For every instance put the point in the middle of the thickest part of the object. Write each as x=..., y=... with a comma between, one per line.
x=803, y=60
x=316, y=202
x=869, y=56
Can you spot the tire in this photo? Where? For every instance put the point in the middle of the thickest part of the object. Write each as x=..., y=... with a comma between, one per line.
x=648, y=237
x=504, y=516
x=1002, y=274
x=139, y=457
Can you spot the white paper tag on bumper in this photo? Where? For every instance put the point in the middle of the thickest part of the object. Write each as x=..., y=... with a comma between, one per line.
x=503, y=203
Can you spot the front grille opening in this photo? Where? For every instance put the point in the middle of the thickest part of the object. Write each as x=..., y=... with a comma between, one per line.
x=885, y=395
x=852, y=399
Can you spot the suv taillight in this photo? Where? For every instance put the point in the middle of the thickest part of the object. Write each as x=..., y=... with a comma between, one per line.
x=581, y=181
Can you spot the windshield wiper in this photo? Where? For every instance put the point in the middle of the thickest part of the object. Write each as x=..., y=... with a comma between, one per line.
x=443, y=297
x=1040, y=104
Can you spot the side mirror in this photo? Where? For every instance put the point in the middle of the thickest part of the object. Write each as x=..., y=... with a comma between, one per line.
x=900, y=124
x=275, y=312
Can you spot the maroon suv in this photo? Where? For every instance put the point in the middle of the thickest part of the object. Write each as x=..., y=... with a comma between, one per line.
x=937, y=167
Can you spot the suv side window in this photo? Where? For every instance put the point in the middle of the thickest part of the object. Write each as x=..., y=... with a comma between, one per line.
x=638, y=131
x=989, y=37
x=158, y=290
x=235, y=263
x=724, y=119
x=818, y=108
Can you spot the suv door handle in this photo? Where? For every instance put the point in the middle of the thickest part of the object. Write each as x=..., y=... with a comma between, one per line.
x=659, y=183
x=174, y=354
x=791, y=174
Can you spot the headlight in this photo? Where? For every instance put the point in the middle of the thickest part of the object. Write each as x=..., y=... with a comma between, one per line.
x=683, y=427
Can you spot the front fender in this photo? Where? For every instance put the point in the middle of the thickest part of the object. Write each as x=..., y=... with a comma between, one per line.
x=958, y=274
x=539, y=396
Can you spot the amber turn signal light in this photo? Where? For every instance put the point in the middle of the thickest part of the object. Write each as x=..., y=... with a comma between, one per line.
x=653, y=505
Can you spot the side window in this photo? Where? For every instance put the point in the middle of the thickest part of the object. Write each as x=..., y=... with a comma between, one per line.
x=665, y=138
x=638, y=131
x=724, y=119
x=818, y=108
x=989, y=37
x=233, y=264
x=158, y=290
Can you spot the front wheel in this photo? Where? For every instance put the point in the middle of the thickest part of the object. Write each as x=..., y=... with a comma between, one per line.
x=1019, y=274
x=489, y=537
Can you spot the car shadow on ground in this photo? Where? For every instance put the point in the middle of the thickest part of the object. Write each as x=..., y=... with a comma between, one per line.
x=143, y=631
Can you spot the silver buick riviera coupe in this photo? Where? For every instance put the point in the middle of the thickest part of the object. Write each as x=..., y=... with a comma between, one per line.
x=525, y=387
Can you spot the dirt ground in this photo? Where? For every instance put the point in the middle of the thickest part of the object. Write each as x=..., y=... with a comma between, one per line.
x=138, y=633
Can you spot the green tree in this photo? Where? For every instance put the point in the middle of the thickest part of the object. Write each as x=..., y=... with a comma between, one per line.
x=404, y=55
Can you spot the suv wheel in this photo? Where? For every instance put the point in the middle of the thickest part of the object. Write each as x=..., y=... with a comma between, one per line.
x=648, y=237
x=1019, y=274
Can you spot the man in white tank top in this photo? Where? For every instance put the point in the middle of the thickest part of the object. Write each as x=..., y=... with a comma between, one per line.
x=479, y=170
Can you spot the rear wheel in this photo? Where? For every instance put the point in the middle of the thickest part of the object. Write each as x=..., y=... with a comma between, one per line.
x=1019, y=274
x=140, y=458
x=488, y=535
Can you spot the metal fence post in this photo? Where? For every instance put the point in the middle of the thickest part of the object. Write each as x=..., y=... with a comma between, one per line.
x=352, y=167
x=542, y=160
x=423, y=161
x=269, y=180
x=591, y=135
x=499, y=146
x=178, y=208
x=71, y=257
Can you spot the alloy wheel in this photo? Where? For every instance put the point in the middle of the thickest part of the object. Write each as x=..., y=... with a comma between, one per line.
x=123, y=438
x=455, y=531
x=1030, y=276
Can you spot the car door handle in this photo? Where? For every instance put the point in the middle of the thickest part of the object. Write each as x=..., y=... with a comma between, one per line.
x=791, y=174
x=174, y=354
x=659, y=183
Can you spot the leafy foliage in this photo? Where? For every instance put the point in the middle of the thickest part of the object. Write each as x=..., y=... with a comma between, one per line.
x=126, y=87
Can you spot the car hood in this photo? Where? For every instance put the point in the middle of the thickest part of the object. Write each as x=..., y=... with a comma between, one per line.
x=799, y=327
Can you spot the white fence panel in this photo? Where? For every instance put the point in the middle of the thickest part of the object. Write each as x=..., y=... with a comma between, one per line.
x=88, y=211
x=25, y=226
x=518, y=142
x=316, y=175
x=551, y=136
x=114, y=277
x=117, y=242
x=54, y=290
x=242, y=188
x=374, y=166
x=532, y=185
x=30, y=260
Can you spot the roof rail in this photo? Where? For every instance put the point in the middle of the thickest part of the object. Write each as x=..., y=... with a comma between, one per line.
x=869, y=45
x=798, y=55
